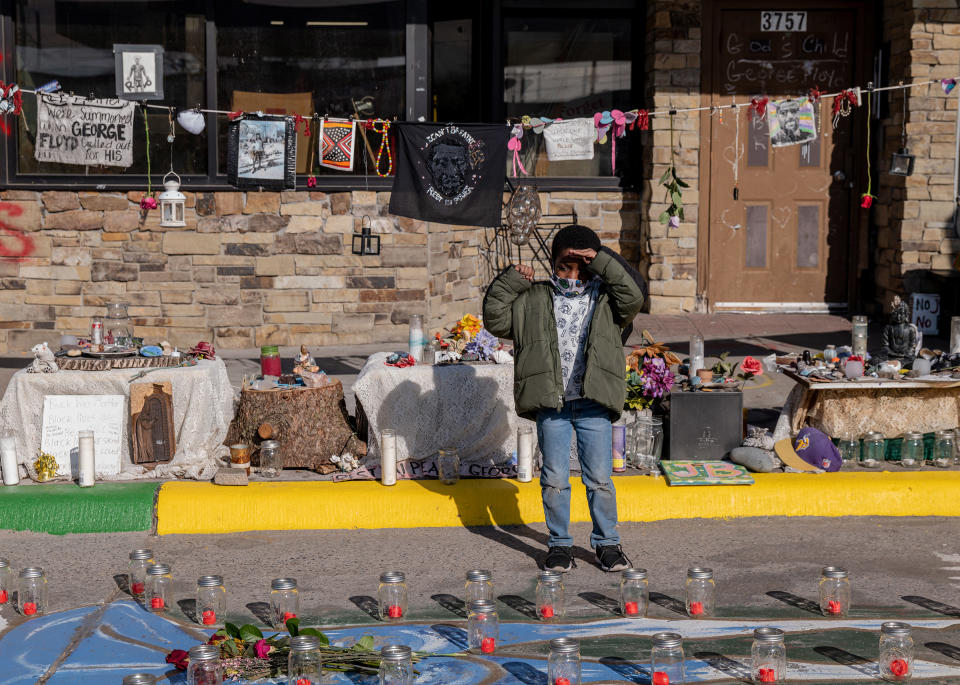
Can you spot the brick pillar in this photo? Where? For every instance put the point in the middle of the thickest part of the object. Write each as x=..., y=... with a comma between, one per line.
x=914, y=217
x=673, y=81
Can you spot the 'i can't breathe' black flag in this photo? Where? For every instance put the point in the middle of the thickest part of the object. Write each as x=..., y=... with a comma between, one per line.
x=451, y=174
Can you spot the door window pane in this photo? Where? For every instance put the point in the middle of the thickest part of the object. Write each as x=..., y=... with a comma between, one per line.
x=756, y=246
x=758, y=140
x=808, y=236
x=72, y=42
x=338, y=59
x=568, y=67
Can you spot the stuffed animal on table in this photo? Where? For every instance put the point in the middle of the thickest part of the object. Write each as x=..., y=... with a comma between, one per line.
x=44, y=361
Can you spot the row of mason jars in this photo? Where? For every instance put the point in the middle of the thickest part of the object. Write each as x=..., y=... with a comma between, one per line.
x=946, y=450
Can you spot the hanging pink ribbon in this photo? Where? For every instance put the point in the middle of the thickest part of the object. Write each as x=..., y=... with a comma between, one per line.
x=619, y=131
x=515, y=145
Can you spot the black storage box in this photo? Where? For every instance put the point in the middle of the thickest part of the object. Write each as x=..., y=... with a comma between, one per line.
x=704, y=425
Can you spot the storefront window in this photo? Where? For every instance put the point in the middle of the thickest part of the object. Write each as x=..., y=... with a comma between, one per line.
x=338, y=59
x=568, y=67
x=72, y=42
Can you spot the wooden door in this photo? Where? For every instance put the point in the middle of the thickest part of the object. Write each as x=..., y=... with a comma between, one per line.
x=785, y=242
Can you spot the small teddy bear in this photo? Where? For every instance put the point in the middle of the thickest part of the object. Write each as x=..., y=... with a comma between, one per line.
x=44, y=361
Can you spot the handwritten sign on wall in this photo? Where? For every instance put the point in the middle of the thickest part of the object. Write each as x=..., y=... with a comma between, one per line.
x=74, y=130
x=572, y=139
x=65, y=415
x=926, y=312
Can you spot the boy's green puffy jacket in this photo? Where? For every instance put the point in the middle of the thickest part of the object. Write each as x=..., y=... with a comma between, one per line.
x=522, y=311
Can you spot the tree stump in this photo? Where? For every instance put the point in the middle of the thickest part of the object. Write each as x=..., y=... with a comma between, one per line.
x=311, y=425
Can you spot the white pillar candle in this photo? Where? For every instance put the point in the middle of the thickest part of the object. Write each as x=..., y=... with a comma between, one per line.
x=87, y=461
x=388, y=457
x=524, y=454
x=8, y=458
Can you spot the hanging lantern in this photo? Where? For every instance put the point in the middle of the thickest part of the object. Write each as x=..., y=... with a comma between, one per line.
x=172, y=202
x=364, y=243
x=523, y=214
x=901, y=162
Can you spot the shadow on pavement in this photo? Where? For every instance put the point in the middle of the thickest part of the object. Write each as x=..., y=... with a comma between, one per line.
x=668, y=602
x=261, y=611
x=521, y=605
x=947, y=650
x=367, y=605
x=603, y=602
x=736, y=670
x=525, y=673
x=933, y=605
x=452, y=634
x=858, y=663
x=632, y=673
x=189, y=609
x=796, y=601
x=452, y=604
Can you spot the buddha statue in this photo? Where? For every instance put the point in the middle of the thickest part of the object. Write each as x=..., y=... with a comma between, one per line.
x=899, y=336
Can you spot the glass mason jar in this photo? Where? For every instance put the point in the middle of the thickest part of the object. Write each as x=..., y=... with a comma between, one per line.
x=270, y=462
x=550, y=595
x=270, y=360
x=634, y=592
x=32, y=592
x=205, y=667
x=392, y=595
x=140, y=559
x=943, y=448
x=479, y=585
x=849, y=449
x=768, y=656
x=158, y=585
x=483, y=626
x=304, y=663
x=701, y=591
x=666, y=659
x=834, y=592
x=874, y=450
x=858, y=340
x=649, y=442
x=896, y=652
x=116, y=326
x=6, y=581
x=396, y=665
x=563, y=664
x=911, y=453
x=139, y=679
x=448, y=465
x=211, y=600
x=284, y=601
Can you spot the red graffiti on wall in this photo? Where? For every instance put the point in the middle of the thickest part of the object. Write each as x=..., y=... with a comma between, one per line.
x=10, y=236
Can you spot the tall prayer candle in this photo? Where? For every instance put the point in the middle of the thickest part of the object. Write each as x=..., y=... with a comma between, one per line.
x=525, y=442
x=8, y=457
x=87, y=461
x=388, y=457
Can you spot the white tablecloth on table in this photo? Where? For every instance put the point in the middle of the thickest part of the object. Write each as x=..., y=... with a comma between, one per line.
x=467, y=406
x=203, y=401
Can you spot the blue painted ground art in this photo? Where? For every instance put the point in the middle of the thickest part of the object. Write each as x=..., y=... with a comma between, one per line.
x=99, y=645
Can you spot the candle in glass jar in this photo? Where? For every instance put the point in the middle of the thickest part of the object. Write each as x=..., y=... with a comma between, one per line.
x=525, y=442
x=388, y=457
x=8, y=457
x=87, y=461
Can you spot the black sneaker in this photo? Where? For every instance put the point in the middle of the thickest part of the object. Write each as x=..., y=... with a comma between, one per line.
x=559, y=559
x=612, y=558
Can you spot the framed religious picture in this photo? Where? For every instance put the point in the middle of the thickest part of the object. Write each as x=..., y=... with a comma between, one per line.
x=262, y=152
x=139, y=71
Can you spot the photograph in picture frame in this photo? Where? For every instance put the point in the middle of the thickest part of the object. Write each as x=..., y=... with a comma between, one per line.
x=139, y=71
x=262, y=153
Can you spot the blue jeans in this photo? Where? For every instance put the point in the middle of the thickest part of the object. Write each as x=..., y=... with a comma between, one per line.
x=595, y=447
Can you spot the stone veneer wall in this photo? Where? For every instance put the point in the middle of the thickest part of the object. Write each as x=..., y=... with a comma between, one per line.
x=914, y=214
x=252, y=268
x=673, y=70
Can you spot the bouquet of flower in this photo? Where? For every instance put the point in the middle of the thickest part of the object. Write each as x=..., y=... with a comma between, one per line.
x=247, y=655
x=468, y=336
x=648, y=379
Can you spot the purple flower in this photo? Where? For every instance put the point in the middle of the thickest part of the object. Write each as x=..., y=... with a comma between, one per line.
x=657, y=378
x=674, y=221
x=484, y=344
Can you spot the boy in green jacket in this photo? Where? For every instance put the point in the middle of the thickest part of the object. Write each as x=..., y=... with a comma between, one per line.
x=569, y=377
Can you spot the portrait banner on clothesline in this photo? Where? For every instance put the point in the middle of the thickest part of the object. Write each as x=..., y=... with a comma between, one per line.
x=791, y=122
x=74, y=130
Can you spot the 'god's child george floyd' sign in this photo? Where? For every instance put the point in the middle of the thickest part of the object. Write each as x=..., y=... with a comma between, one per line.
x=75, y=130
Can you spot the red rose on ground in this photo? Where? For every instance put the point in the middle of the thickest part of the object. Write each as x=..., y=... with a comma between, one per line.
x=179, y=658
x=262, y=649
x=751, y=366
x=214, y=639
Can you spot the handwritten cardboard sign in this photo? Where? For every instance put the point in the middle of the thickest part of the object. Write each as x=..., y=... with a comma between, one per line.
x=569, y=140
x=926, y=312
x=705, y=473
x=66, y=415
x=74, y=130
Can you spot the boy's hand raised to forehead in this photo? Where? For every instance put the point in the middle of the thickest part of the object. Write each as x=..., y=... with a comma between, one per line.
x=586, y=254
x=525, y=270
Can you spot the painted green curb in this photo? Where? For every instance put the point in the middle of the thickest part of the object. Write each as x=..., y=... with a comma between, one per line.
x=67, y=508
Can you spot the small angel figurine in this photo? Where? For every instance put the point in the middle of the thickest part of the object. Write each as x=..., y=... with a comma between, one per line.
x=305, y=362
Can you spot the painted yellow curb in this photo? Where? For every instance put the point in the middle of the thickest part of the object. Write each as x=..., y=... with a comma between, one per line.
x=188, y=507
